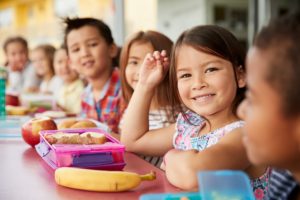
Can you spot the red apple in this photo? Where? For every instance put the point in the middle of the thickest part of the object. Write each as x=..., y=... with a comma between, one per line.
x=31, y=129
x=12, y=100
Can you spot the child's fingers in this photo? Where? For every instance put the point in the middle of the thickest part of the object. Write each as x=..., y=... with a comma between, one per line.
x=164, y=57
x=149, y=57
x=166, y=62
x=156, y=55
x=158, y=63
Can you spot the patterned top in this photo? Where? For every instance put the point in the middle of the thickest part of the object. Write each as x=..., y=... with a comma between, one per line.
x=186, y=137
x=110, y=106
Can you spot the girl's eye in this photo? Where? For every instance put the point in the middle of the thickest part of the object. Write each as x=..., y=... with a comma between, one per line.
x=132, y=62
x=184, y=76
x=211, y=69
x=93, y=44
x=75, y=50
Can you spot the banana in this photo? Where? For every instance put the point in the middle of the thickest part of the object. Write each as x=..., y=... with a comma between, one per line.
x=99, y=180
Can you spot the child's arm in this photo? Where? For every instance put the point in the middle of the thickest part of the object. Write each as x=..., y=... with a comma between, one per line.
x=135, y=132
x=182, y=166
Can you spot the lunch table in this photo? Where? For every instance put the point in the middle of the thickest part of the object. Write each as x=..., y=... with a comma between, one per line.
x=25, y=175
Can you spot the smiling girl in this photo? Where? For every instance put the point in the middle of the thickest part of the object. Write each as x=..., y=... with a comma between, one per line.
x=207, y=75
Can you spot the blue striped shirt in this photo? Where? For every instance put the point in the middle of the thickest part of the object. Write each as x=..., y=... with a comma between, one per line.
x=282, y=185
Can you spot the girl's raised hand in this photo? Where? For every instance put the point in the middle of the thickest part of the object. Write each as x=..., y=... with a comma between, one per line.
x=154, y=69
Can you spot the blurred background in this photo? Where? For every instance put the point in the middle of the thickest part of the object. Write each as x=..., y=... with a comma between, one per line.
x=40, y=21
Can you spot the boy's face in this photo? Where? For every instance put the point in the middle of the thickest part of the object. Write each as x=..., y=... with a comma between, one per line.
x=89, y=53
x=17, y=56
x=269, y=137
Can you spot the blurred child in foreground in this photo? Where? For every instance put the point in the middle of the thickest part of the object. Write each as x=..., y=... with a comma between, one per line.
x=271, y=109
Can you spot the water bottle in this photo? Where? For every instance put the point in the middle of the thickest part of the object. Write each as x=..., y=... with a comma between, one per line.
x=3, y=76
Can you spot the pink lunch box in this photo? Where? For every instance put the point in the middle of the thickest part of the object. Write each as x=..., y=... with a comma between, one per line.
x=108, y=156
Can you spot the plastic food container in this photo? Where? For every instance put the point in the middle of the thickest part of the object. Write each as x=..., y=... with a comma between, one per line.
x=225, y=184
x=170, y=196
x=107, y=156
x=41, y=102
x=213, y=185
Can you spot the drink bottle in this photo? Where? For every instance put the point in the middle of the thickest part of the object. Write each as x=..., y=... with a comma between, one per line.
x=3, y=76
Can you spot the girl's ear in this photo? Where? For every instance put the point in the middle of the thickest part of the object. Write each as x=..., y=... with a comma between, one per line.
x=241, y=77
x=113, y=50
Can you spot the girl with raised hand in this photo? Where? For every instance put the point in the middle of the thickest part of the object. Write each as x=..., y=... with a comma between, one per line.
x=133, y=53
x=207, y=75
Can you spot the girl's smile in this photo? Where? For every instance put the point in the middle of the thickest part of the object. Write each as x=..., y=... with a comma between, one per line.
x=204, y=98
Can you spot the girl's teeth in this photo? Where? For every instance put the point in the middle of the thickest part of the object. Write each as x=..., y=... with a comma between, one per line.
x=203, y=98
